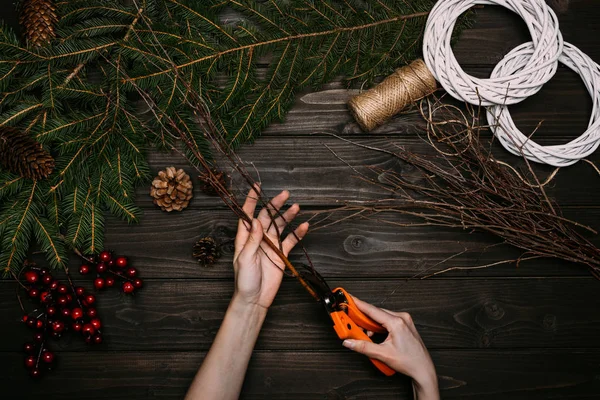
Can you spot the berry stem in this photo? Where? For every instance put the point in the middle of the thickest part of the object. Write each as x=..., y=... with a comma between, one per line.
x=120, y=275
x=39, y=356
x=72, y=286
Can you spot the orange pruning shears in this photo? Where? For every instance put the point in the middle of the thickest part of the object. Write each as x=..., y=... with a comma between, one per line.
x=348, y=321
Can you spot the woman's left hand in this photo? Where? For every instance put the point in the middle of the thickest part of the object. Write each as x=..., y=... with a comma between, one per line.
x=258, y=269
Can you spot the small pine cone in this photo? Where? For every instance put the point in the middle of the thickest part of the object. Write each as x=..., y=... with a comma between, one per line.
x=207, y=251
x=22, y=155
x=207, y=181
x=38, y=19
x=172, y=189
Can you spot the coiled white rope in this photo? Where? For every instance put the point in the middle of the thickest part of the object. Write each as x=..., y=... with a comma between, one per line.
x=520, y=74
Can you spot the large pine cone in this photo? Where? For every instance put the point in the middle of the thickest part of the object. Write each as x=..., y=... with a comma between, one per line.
x=38, y=19
x=207, y=251
x=22, y=155
x=172, y=189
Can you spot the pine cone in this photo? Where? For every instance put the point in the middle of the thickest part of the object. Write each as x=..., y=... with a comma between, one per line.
x=206, y=181
x=207, y=251
x=172, y=189
x=38, y=19
x=22, y=155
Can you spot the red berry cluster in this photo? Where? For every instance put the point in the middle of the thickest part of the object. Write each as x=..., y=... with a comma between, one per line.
x=108, y=268
x=61, y=307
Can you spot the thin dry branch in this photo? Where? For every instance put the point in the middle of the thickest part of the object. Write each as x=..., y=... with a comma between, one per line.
x=463, y=186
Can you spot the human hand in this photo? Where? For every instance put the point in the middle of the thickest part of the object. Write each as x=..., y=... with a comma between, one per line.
x=258, y=269
x=403, y=350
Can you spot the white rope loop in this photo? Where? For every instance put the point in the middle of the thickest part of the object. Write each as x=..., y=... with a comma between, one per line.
x=503, y=126
x=520, y=74
x=536, y=69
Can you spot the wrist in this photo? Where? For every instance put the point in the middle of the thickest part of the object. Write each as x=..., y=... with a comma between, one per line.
x=244, y=308
x=426, y=387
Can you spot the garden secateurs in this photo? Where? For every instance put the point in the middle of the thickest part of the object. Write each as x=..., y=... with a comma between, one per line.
x=348, y=321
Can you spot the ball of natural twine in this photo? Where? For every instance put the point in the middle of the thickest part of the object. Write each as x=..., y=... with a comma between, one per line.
x=405, y=86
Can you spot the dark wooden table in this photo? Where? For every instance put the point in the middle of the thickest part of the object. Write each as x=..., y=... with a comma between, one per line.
x=521, y=333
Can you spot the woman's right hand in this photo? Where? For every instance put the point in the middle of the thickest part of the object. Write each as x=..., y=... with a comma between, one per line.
x=403, y=350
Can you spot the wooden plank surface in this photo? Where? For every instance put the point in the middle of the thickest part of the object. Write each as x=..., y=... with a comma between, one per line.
x=335, y=375
x=449, y=313
x=354, y=248
x=503, y=332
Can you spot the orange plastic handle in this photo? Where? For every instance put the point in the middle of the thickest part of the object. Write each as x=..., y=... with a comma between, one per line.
x=347, y=327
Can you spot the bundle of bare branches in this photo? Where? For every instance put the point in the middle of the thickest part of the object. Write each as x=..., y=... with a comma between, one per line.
x=462, y=185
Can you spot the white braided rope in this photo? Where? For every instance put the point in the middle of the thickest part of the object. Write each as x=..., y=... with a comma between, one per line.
x=520, y=74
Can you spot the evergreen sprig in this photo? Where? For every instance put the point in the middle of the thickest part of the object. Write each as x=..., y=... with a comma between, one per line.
x=80, y=97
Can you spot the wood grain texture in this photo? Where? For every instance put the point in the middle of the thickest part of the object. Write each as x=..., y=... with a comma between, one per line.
x=449, y=313
x=161, y=247
x=307, y=168
x=336, y=375
x=505, y=332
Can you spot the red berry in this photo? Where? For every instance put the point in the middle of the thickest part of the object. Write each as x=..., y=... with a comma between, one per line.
x=69, y=298
x=96, y=323
x=35, y=373
x=131, y=272
x=33, y=293
x=99, y=283
x=84, y=269
x=47, y=279
x=39, y=324
x=53, y=285
x=29, y=347
x=101, y=267
x=76, y=313
x=62, y=300
x=77, y=326
x=25, y=318
x=62, y=288
x=89, y=299
x=32, y=322
x=47, y=357
x=38, y=337
x=44, y=271
x=88, y=329
x=137, y=283
x=46, y=297
x=30, y=361
x=58, y=326
x=51, y=310
x=110, y=263
x=110, y=281
x=79, y=290
x=121, y=262
x=97, y=338
x=31, y=276
x=91, y=312
x=105, y=255
x=65, y=312
x=128, y=287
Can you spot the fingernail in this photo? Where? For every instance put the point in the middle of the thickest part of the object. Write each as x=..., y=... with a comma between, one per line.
x=348, y=343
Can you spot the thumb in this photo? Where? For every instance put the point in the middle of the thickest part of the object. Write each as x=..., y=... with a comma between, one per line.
x=369, y=349
x=254, y=239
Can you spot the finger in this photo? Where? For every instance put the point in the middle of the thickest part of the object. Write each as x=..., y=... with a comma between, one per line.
x=367, y=348
x=375, y=313
x=264, y=216
x=293, y=238
x=253, y=242
x=249, y=206
x=284, y=219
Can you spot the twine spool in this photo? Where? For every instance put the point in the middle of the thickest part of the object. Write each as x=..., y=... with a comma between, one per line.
x=402, y=88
